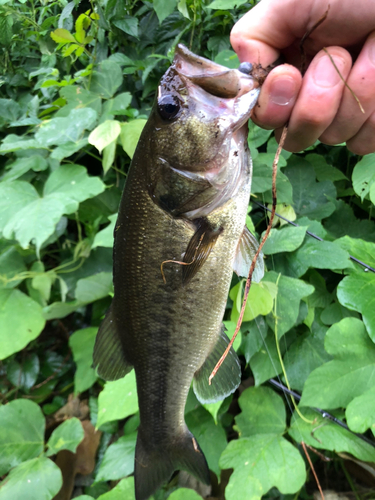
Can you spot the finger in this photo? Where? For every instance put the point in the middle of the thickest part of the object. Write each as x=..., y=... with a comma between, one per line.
x=349, y=118
x=318, y=100
x=277, y=97
x=363, y=143
x=264, y=30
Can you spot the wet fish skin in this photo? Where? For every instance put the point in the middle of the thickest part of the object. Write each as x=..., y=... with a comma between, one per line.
x=189, y=183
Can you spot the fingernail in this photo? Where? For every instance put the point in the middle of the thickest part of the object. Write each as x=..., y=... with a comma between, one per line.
x=282, y=91
x=325, y=74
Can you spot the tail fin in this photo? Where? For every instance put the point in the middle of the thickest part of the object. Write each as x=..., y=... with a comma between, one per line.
x=153, y=468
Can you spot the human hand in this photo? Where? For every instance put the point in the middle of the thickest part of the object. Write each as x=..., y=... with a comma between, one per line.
x=318, y=106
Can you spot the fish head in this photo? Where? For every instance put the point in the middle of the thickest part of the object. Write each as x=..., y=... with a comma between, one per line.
x=197, y=124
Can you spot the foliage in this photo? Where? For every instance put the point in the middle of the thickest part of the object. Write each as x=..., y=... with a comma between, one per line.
x=77, y=84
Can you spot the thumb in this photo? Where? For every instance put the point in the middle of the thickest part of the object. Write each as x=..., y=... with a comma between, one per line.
x=260, y=34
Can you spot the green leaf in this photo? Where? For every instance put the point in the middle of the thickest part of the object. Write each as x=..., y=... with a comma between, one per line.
x=304, y=355
x=22, y=428
x=21, y=321
x=362, y=250
x=323, y=434
x=163, y=8
x=94, y=287
x=324, y=171
x=11, y=265
x=105, y=134
x=210, y=436
x=310, y=197
x=24, y=374
x=360, y=413
x=62, y=36
x=58, y=131
x=73, y=182
x=124, y=489
x=227, y=58
x=261, y=462
x=13, y=197
x=336, y=312
x=121, y=103
x=262, y=412
x=107, y=80
x=343, y=222
x=357, y=292
x=66, y=436
x=23, y=165
x=184, y=494
x=364, y=175
x=77, y=97
x=262, y=183
x=289, y=294
x=257, y=136
x=118, y=460
x=36, y=479
x=130, y=134
x=118, y=400
x=104, y=238
x=336, y=383
x=284, y=240
x=265, y=364
x=259, y=301
x=225, y=4
x=82, y=345
x=318, y=254
x=127, y=24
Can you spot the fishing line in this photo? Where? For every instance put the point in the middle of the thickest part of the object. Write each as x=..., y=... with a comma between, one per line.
x=363, y=264
x=324, y=414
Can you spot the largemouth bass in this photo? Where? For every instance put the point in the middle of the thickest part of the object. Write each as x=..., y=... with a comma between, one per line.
x=180, y=233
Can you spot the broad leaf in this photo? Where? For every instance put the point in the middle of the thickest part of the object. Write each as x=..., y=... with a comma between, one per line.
x=184, y=494
x=118, y=400
x=36, y=479
x=130, y=134
x=322, y=434
x=22, y=428
x=94, y=287
x=262, y=412
x=352, y=372
x=259, y=301
x=360, y=413
x=104, y=134
x=21, y=321
x=364, y=175
x=118, y=460
x=261, y=462
x=104, y=238
x=357, y=292
x=124, y=489
x=24, y=374
x=106, y=80
x=210, y=436
x=284, y=240
x=66, y=436
x=82, y=345
x=163, y=8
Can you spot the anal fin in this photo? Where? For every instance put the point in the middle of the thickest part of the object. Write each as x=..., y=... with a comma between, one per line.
x=246, y=249
x=227, y=378
x=199, y=248
x=109, y=358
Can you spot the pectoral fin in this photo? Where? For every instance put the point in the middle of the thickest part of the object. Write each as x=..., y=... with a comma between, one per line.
x=246, y=249
x=199, y=248
x=226, y=380
x=109, y=358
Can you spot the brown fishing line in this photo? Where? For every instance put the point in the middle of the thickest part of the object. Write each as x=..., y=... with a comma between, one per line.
x=253, y=263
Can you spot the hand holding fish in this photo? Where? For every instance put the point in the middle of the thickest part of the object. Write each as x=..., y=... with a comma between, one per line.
x=318, y=106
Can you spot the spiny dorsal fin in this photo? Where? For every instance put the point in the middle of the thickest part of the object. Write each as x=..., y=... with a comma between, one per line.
x=109, y=359
x=226, y=380
x=199, y=248
x=246, y=249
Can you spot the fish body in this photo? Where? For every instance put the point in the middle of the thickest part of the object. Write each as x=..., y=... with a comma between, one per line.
x=178, y=235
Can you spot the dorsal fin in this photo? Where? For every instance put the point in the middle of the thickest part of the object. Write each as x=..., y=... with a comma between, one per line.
x=109, y=358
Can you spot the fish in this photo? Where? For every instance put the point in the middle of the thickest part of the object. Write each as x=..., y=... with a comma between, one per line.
x=179, y=235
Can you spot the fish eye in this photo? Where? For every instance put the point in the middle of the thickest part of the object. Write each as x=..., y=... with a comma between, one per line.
x=168, y=107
